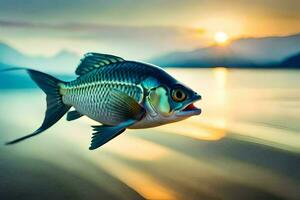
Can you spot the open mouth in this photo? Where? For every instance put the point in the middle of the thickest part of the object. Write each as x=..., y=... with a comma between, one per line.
x=190, y=109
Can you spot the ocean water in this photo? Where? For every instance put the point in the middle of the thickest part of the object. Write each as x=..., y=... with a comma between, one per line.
x=244, y=145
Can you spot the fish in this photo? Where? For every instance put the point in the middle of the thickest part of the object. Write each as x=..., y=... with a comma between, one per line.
x=119, y=94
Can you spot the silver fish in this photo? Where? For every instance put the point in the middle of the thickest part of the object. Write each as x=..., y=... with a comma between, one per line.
x=117, y=93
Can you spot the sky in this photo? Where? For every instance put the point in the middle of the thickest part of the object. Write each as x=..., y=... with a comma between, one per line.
x=139, y=29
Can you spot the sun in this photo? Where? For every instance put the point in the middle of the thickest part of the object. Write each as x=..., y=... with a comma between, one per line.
x=221, y=37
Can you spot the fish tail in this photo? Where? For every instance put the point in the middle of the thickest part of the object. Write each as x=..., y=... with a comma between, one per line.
x=55, y=106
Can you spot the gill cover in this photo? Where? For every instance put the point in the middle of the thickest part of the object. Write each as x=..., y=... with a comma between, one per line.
x=159, y=100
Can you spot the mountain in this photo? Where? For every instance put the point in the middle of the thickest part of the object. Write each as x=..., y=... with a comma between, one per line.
x=9, y=80
x=63, y=62
x=20, y=80
x=292, y=61
x=246, y=52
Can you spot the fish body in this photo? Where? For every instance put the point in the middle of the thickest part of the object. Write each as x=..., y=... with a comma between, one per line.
x=117, y=93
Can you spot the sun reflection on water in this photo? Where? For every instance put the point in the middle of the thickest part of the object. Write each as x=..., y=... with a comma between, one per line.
x=220, y=75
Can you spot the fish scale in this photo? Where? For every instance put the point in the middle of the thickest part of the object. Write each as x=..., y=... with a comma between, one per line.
x=89, y=94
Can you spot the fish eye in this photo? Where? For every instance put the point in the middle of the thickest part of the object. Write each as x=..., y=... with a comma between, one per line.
x=178, y=95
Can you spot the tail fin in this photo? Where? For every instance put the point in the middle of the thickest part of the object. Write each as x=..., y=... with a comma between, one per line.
x=55, y=107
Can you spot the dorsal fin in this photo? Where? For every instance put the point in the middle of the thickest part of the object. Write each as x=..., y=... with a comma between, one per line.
x=92, y=61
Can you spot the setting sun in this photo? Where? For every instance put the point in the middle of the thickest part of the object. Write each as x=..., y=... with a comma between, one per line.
x=221, y=37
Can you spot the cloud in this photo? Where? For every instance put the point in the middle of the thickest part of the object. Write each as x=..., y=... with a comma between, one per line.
x=99, y=28
x=140, y=41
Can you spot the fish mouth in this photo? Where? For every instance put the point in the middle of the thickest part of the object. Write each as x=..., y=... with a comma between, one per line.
x=190, y=109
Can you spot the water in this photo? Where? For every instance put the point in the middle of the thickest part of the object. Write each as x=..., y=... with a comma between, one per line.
x=245, y=145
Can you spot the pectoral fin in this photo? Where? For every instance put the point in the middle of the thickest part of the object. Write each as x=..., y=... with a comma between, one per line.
x=104, y=133
x=123, y=107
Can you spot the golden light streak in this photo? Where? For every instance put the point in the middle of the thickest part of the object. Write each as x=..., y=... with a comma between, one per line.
x=141, y=182
x=194, y=129
x=137, y=149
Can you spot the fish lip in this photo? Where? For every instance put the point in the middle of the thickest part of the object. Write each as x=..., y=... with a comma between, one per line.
x=190, y=112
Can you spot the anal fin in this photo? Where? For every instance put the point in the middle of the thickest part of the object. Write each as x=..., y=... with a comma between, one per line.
x=73, y=115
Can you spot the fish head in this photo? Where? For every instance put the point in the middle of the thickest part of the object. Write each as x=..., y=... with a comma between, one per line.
x=182, y=100
x=173, y=102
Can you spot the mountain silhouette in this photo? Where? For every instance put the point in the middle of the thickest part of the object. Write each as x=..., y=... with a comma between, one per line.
x=19, y=79
x=63, y=62
x=292, y=61
x=243, y=53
